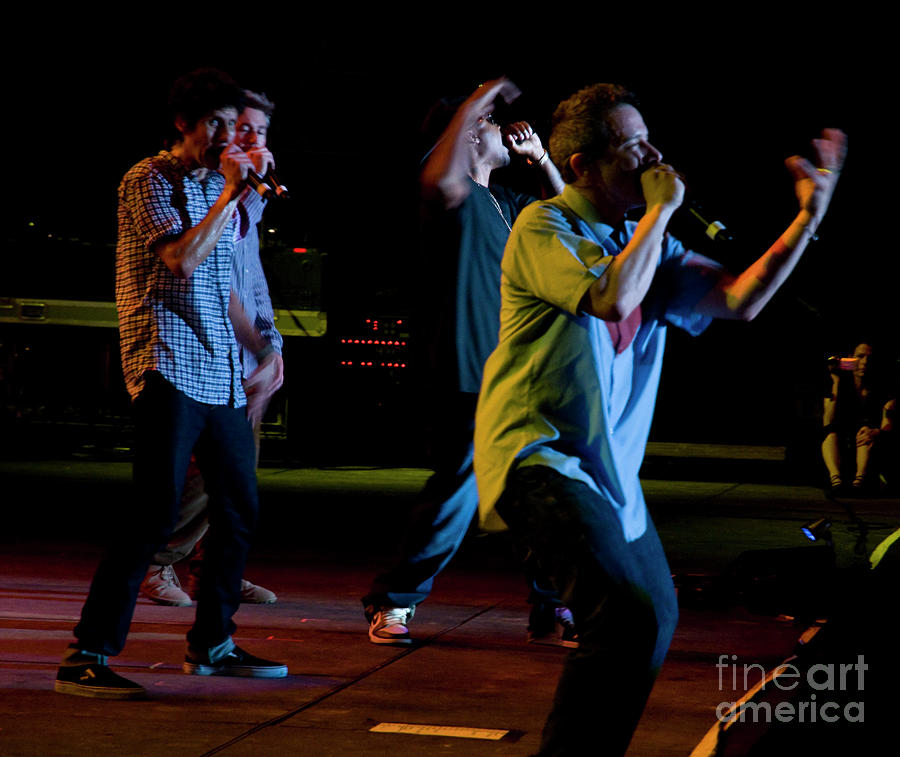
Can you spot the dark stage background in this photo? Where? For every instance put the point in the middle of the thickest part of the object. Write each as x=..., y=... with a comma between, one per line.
x=85, y=107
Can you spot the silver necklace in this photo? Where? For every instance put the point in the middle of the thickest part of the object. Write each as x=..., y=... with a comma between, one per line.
x=497, y=205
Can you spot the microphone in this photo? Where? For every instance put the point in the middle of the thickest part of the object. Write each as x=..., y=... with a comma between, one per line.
x=280, y=190
x=267, y=186
x=259, y=184
x=715, y=230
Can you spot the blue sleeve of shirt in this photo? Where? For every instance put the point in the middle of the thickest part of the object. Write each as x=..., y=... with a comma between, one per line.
x=683, y=279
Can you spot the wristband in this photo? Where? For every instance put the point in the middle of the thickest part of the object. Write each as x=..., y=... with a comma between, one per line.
x=781, y=247
x=813, y=232
x=540, y=161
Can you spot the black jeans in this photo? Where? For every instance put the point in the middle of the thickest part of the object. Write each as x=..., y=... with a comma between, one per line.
x=169, y=426
x=622, y=600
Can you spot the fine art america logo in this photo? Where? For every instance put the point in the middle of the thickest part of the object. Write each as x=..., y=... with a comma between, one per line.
x=820, y=693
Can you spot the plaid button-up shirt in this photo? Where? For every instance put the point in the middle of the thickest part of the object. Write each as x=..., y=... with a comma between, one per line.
x=248, y=280
x=179, y=327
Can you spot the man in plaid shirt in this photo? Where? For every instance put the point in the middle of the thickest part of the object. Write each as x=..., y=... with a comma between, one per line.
x=248, y=282
x=178, y=225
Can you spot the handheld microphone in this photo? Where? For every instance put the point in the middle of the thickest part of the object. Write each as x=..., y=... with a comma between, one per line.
x=267, y=186
x=715, y=230
x=279, y=188
x=259, y=184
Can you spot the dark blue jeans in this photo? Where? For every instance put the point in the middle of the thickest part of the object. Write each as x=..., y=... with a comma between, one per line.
x=169, y=426
x=442, y=514
x=621, y=597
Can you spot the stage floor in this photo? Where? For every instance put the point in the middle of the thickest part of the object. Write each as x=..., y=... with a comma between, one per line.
x=471, y=685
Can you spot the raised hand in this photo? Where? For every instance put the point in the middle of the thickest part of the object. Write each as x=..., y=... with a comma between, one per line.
x=481, y=102
x=814, y=183
x=262, y=159
x=522, y=140
x=234, y=164
x=662, y=185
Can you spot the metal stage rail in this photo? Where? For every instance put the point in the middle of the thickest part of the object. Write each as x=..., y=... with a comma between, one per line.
x=14, y=310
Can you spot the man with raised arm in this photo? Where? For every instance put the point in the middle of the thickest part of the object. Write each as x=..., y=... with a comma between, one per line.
x=260, y=351
x=567, y=399
x=466, y=221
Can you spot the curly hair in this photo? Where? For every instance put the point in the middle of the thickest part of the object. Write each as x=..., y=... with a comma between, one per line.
x=203, y=91
x=579, y=123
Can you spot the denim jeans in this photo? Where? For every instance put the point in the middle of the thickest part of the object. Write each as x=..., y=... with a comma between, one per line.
x=437, y=526
x=443, y=511
x=168, y=427
x=622, y=600
x=193, y=519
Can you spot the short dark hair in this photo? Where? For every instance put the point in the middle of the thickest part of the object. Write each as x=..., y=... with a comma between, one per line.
x=580, y=123
x=203, y=91
x=258, y=101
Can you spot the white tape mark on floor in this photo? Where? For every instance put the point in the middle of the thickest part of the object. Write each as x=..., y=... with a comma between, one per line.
x=460, y=732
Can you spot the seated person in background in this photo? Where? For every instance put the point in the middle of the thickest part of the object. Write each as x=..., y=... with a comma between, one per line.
x=858, y=421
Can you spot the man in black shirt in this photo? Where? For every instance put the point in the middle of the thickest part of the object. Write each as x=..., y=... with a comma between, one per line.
x=465, y=224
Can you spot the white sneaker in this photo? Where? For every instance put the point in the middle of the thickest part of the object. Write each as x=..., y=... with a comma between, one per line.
x=256, y=595
x=161, y=585
x=552, y=626
x=387, y=625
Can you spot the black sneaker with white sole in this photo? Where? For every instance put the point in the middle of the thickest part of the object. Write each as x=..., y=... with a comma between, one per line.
x=88, y=675
x=236, y=663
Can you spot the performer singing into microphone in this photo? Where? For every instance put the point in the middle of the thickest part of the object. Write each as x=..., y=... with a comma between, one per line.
x=263, y=370
x=567, y=398
x=466, y=219
x=178, y=223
